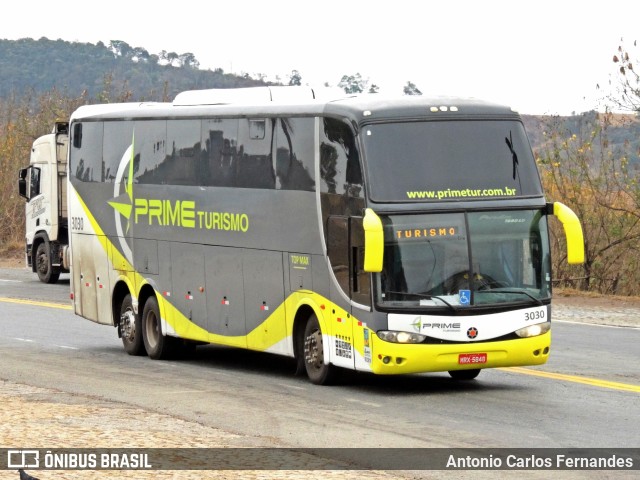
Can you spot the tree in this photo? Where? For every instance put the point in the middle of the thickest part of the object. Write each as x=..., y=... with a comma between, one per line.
x=139, y=54
x=171, y=57
x=411, y=89
x=120, y=48
x=353, y=83
x=627, y=88
x=579, y=168
x=22, y=120
x=295, y=78
x=188, y=60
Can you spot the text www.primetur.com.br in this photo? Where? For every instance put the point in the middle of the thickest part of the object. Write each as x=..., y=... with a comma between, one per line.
x=465, y=192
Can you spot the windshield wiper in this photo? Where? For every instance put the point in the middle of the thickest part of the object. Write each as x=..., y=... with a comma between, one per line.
x=425, y=296
x=521, y=292
x=514, y=155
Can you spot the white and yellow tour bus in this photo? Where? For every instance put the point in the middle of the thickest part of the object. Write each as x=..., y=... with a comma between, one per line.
x=383, y=235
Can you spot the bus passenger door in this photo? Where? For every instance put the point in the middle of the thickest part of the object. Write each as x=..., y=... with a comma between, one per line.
x=360, y=286
x=263, y=275
x=341, y=319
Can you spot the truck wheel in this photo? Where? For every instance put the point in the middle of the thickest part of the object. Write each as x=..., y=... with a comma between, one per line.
x=158, y=346
x=317, y=371
x=464, y=374
x=46, y=272
x=130, y=328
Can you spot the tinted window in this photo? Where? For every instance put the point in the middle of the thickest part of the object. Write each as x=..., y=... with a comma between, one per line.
x=295, y=154
x=341, y=178
x=449, y=160
x=149, y=150
x=86, y=154
x=219, y=151
x=118, y=137
x=35, y=182
x=339, y=160
x=172, y=152
x=254, y=162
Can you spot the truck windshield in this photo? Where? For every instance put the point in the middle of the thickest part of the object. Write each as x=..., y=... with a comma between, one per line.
x=440, y=161
x=462, y=260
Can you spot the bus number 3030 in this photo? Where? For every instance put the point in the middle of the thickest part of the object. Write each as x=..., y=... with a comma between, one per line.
x=535, y=315
x=77, y=223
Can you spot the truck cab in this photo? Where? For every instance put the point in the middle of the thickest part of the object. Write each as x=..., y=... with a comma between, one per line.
x=43, y=185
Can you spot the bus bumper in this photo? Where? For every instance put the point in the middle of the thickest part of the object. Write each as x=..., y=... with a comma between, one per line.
x=394, y=358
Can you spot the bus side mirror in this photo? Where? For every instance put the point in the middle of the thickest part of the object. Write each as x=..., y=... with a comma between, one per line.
x=373, y=241
x=572, y=230
x=22, y=183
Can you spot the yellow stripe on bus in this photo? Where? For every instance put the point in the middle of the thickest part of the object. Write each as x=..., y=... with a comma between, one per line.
x=61, y=306
x=595, y=382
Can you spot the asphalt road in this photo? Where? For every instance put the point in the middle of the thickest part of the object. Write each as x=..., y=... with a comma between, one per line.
x=587, y=395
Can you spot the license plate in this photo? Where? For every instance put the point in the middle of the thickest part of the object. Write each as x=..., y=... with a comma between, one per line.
x=472, y=358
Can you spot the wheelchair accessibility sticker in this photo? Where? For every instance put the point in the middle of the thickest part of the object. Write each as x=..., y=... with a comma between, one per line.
x=464, y=297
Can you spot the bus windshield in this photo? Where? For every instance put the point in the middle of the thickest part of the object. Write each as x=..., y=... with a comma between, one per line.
x=449, y=160
x=462, y=260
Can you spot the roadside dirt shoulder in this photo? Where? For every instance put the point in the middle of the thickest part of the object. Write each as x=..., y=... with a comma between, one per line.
x=13, y=258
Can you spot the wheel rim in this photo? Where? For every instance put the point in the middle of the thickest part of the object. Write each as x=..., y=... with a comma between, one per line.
x=313, y=353
x=152, y=329
x=43, y=264
x=128, y=322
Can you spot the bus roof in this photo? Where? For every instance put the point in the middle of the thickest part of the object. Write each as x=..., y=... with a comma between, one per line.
x=284, y=101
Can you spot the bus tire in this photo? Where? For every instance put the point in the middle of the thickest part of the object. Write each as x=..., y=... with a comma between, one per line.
x=130, y=328
x=158, y=346
x=319, y=372
x=47, y=273
x=464, y=374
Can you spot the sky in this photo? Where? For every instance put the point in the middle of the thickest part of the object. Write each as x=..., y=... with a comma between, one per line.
x=537, y=56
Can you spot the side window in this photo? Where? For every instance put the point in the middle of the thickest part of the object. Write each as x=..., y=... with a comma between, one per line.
x=86, y=155
x=341, y=190
x=254, y=164
x=339, y=160
x=183, y=163
x=34, y=188
x=118, y=137
x=295, y=158
x=219, y=151
x=150, y=139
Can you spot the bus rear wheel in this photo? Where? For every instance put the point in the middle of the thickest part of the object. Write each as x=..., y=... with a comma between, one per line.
x=464, y=374
x=130, y=328
x=158, y=346
x=318, y=371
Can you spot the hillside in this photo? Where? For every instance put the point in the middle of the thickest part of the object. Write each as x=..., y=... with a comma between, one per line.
x=28, y=65
x=622, y=130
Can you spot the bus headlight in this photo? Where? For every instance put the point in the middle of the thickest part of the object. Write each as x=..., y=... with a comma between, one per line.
x=401, y=337
x=534, y=330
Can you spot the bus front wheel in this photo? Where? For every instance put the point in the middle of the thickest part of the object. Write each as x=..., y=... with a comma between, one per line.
x=464, y=374
x=318, y=371
x=157, y=345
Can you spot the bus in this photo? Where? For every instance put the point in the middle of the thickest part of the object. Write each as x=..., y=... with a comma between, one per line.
x=386, y=235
